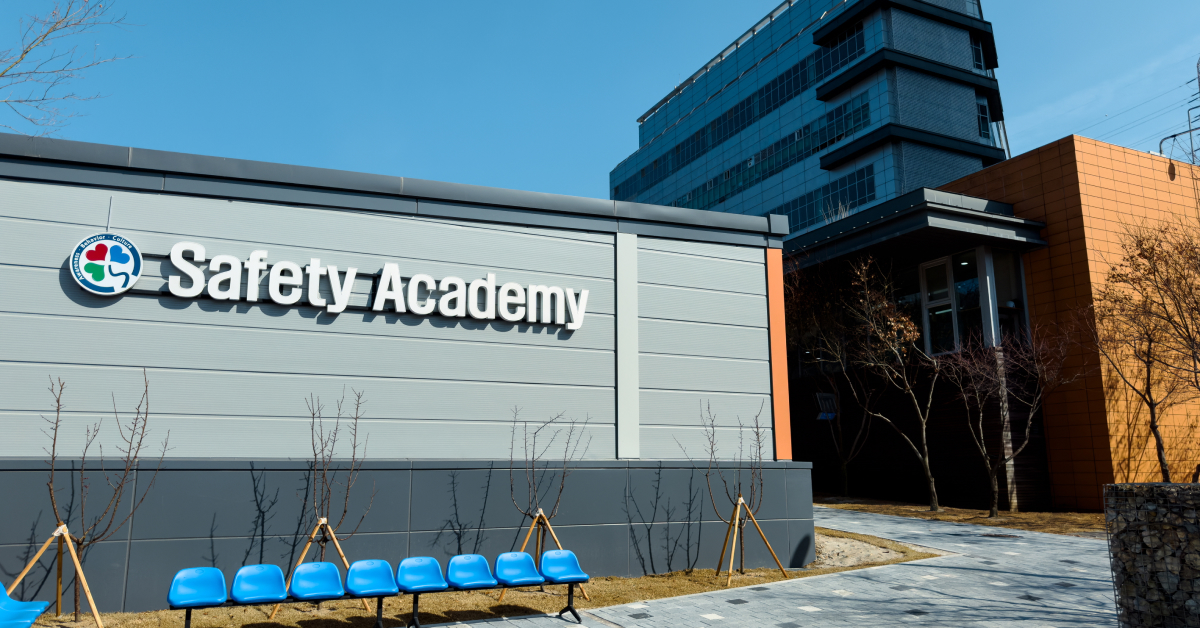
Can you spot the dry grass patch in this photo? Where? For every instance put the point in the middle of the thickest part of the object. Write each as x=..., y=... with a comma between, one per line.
x=465, y=606
x=1075, y=523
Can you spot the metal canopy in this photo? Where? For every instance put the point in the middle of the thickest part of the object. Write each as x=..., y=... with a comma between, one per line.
x=921, y=225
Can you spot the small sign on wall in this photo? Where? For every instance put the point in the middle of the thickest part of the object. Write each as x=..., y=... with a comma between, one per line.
x=828, y=405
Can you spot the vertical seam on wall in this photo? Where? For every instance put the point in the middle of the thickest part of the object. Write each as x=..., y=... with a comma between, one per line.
x=627, y=348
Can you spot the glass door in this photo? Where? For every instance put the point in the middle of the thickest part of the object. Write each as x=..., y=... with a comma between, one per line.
x=941, y=333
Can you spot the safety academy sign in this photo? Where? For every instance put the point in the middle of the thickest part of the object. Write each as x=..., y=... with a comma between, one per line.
x=109, y=264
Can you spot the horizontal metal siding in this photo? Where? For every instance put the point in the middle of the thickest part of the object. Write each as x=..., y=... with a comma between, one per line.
x=92, y=390
x=701, y=339
x=300, y=230
x=750, y=254
x=247, y=437
x=229, y=378
x=688, y=408
x=704, y=345
x=675, y=443
x=702, y=306
x=689, y=271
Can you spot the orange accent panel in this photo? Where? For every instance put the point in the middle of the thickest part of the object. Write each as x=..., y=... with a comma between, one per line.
x=781, y=405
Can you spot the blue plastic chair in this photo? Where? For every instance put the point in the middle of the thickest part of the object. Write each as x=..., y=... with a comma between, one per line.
x=18, y=614
x=470, y=571
x=372, y=578
x=516, y=569
x=197, y=587
x=562, y=567
x=417, y=575
x=313, y=582
x=258, y=584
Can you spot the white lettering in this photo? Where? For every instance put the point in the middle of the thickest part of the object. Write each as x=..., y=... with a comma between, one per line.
x=294, y=277
x=288, y=283
x=488, y=286
x=314, y=271
x=189, y=269
x=577, y=310
x=341, y=289
x=232, y=278
x=546, y=294
x=511, y=294
x=414, y=294
x=389, y=288
x=254, y=267
x=454, y=291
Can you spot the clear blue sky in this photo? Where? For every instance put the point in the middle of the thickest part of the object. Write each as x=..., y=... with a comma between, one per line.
x=543, y=95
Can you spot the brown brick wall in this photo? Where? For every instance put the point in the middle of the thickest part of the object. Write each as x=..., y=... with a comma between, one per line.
x=1086, y=192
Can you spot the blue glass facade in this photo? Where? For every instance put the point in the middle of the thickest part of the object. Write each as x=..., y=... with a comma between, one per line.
x=817, y=115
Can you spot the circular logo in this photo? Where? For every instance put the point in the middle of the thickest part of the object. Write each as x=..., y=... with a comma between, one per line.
x=106, y=264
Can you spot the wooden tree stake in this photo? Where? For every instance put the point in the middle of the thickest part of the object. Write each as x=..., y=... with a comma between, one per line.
x=733, y=547
x=539, y=520
x=62, y=535
x=58, y=581
x=321, y=523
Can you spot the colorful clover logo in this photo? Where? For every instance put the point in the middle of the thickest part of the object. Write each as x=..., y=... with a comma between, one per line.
x=106, y=264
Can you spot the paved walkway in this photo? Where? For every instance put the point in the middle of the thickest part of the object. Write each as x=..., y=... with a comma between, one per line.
x=991, y=581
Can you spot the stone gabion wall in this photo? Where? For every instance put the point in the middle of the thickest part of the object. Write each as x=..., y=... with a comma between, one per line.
x=1154, y=546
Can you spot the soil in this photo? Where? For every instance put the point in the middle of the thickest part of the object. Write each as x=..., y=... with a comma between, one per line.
x=1084, y=524
x=836, y=551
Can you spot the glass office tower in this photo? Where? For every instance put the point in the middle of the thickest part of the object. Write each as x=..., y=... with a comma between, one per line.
x=824, y=108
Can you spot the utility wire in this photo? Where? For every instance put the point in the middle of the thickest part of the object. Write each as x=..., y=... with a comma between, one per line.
x=1112, y=117
x=1142, y=120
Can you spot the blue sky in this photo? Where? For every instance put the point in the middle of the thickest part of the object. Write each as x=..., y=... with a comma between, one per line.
x=542, y=95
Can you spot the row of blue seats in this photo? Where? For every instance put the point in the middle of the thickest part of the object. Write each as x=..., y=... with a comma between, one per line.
x=204, y=587
x=17, y=614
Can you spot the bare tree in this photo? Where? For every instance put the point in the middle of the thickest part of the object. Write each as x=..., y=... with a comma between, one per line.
x=888, y=344
x=328, y=480
x=822, y=335
x=745, y=481
x=1134, y=343
x=540, y=478
x=1161, y=266
x=1021, y=370
x=36, y=75
x=121, y=481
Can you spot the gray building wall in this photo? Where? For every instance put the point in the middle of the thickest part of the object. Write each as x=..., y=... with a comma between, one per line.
x=934, y=104
x=933, y=40
x=620, y=518
x=228, y=380
x=926, y=167
x=435, y=387
x=704, y=346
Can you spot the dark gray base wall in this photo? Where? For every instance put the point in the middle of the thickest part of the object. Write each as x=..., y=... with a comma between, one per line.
x=621, y=518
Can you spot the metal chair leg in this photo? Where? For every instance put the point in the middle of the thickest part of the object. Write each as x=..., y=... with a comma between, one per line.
x=571, y=604
x=416, y=619
x=379, y=613
x=187, y=618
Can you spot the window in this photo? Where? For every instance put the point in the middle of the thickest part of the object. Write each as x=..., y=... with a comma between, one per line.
x=841, y=195
x=783, y=88
x=967, y=309
x=977, y=53
x=830, y=128
x=940, y=335
x=985, y=121
x=1010, y=292
x=950, y=303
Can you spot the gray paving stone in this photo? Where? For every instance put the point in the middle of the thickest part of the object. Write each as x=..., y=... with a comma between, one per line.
x=1049, y=580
